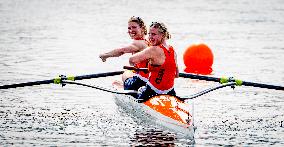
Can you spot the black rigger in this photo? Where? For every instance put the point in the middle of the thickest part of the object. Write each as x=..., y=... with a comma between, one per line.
x=208, y=78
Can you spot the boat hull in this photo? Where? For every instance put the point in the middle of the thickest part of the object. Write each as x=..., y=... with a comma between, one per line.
x=163, y=111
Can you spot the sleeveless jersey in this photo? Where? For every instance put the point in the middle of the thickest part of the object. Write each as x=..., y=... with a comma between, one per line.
x=161, y=78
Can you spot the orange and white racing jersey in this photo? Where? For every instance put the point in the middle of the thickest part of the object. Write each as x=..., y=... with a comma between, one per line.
x=161, y=78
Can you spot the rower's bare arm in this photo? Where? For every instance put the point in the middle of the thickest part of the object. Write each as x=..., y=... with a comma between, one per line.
x=120, y=51
x=177, y=72
x=113, y=53
x=141, y=56
x=177, y=69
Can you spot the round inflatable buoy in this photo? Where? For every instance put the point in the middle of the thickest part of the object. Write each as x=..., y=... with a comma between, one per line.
x=198, y=59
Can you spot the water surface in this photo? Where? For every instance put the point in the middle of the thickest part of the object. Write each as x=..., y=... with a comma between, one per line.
x=42, y=39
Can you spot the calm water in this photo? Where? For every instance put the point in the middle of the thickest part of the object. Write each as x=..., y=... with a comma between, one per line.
x=42, y=39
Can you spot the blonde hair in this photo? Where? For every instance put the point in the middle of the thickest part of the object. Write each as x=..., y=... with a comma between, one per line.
x=162, y=29
x=140, y=22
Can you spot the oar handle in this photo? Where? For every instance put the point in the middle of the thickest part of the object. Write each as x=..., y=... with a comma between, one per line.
x=145, y=70
x=98, y=75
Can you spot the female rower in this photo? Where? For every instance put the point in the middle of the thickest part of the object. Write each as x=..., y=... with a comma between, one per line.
x=137, y=32
x=162, y=63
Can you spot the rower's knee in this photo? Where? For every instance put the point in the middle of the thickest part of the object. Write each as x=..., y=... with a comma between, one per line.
x=127, y=74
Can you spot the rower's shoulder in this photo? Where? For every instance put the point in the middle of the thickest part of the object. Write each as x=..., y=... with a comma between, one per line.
x=141, y=44
x=144, y=42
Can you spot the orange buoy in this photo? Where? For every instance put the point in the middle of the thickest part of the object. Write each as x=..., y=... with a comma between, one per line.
x=198, y=59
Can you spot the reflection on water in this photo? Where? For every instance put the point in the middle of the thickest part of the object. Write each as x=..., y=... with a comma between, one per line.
x=40, y=40
x=153, y=137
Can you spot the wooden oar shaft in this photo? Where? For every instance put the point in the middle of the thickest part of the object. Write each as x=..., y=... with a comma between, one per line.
x=52, y=80
x=245, y=83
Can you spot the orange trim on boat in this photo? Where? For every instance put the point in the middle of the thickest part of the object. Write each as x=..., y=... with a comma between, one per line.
x=169, y=106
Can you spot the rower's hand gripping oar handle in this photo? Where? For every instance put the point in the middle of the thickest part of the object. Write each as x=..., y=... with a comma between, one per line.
x=145, y=70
